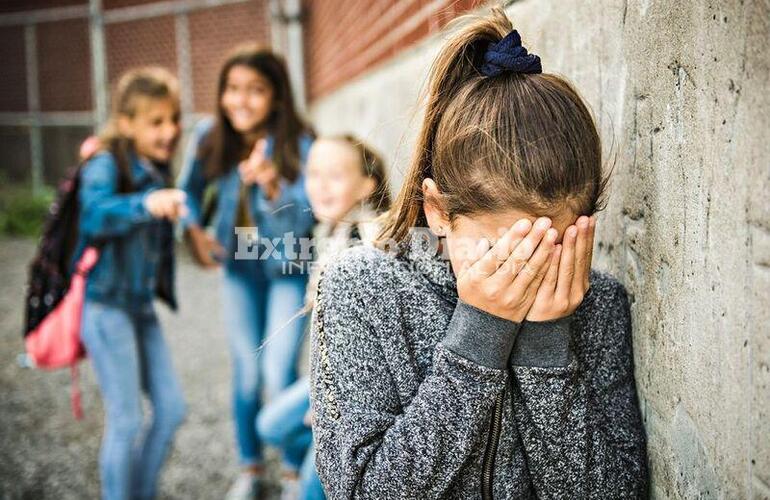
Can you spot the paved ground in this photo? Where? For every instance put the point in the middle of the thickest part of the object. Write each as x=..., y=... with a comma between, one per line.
x=45, y=453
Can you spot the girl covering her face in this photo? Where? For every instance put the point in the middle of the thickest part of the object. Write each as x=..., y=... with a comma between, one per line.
x=506, y=369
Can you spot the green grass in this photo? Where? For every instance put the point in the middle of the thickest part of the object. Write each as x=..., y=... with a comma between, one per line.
x=23, y=213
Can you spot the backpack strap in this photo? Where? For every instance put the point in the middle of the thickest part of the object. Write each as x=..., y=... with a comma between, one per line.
x=87, y=260
x=75, y=398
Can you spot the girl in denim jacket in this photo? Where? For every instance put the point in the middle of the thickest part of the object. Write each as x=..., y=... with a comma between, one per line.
x=253, y=153
x=126, y=210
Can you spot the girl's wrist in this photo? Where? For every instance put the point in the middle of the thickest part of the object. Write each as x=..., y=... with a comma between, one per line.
x=145, y=204
x=480, y=336
x=544, y=344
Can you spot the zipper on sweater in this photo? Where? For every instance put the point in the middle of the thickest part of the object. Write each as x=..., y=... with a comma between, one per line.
x=488, y=465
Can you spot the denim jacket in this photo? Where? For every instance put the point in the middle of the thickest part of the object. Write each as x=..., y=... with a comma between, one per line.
x=137, y=255
x=289, y=213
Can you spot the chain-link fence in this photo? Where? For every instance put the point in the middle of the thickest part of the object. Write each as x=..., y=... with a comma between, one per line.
x=61, y=56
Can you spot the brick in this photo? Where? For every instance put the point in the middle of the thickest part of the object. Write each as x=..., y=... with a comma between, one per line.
x=140, y=43
x=25, y=5
x=64, y=68
x=213, y=33
x=13, y=78
x=116, y=4
x=345, y=38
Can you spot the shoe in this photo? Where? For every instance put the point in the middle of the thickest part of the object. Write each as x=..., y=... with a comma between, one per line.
x=246, y=487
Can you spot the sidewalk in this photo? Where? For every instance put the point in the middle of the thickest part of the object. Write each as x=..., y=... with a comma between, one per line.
x=45, y=453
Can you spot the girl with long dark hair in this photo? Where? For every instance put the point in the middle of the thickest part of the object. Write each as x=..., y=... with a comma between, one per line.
x=253, y=153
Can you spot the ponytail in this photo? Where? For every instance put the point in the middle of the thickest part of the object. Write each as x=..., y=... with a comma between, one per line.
x=496, y=140
x=454, y=67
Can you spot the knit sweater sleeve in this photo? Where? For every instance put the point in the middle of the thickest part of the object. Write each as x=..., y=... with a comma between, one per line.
x=369, y=442
x=580, y=422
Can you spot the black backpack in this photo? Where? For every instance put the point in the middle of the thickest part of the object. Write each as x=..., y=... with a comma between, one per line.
x=50, y=270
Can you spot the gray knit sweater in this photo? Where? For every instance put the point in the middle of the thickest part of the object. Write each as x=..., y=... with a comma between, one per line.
x=418, y=395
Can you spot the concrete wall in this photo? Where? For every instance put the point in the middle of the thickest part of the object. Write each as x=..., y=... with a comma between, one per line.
x=680, y=90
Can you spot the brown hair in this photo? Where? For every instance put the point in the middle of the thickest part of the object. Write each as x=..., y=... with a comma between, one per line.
x=151, y=82
x=512, y=141
x=225, y=147
x=372, y=166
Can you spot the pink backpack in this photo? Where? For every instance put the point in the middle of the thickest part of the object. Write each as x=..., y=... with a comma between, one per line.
x=56, y=290
x=55, y=341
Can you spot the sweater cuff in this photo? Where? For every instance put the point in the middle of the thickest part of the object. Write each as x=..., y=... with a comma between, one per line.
x=543, y=343
x=479, y=336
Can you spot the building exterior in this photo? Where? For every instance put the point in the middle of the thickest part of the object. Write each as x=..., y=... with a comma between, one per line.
x=60, y=56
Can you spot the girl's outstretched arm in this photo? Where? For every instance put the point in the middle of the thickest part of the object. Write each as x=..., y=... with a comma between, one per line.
x=369, y=442
x=104, y=212
x=578, y=415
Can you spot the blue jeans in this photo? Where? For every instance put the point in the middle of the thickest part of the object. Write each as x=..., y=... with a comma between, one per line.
x=264, y=329
x=281, y=424
x=130, y=356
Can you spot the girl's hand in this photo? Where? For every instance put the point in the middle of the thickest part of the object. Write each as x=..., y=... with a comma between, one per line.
x=203, y=247
x=166, y=204
x=566, y=282
x=505, y=280
x=258, y=169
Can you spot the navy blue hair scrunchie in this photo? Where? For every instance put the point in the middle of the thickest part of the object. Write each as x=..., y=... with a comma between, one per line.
x=509, y=55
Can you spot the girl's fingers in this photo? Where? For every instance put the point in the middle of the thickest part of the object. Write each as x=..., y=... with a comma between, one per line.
x=552, y=275
x=522, y=252
x=508, y=241
x=536, y=266
x=581, y=245
x=479, y=251
x=545, y=286
x=497, y=254
x=266, y=176
x=567, y=263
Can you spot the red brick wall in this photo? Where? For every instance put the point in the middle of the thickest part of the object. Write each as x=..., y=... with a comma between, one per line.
x=116, y=4
x=25, y=5
x=344, y=38
x=64, y=69
x=63, y=49
x=13, y=77
x=213, y=33
x=140, y=43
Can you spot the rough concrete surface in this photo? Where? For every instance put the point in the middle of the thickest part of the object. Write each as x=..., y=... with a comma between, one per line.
x=680, y=92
